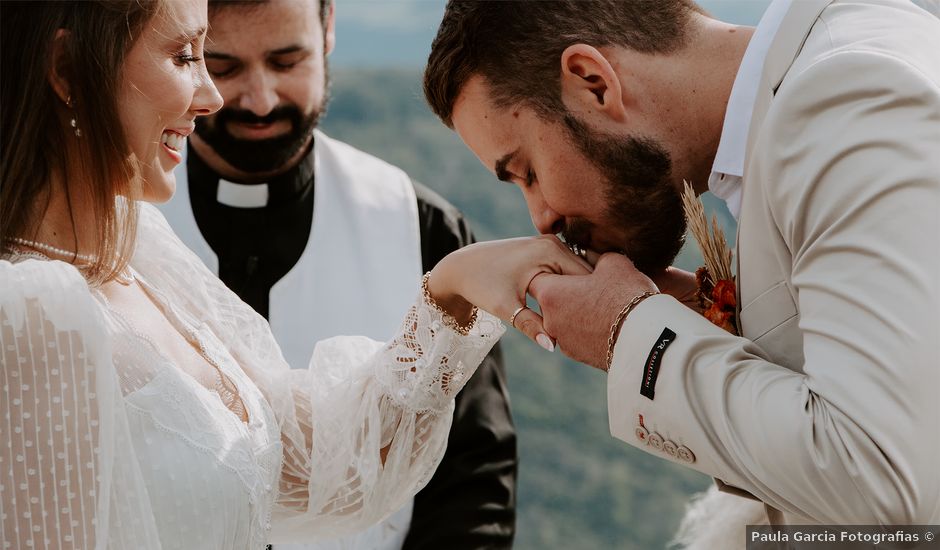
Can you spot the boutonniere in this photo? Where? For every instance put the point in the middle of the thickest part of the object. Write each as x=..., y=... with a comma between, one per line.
x=715, y=279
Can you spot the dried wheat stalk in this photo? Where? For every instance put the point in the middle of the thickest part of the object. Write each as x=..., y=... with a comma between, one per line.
x=712, y=243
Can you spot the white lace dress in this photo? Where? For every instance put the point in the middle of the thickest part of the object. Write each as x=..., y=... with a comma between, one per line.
x=105, y=443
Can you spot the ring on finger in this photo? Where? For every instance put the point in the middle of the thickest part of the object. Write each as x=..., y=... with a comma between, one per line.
x=577, y=250
x=512, y=318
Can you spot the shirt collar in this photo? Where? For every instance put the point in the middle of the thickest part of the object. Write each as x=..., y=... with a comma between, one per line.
x=285, y=188
x=728, y=169
x=240, y=195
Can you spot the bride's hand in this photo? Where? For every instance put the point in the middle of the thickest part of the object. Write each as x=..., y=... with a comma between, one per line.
x=495, y=275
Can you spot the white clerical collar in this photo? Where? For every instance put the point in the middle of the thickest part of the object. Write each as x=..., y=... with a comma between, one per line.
x=242, y=196
x=728, y=170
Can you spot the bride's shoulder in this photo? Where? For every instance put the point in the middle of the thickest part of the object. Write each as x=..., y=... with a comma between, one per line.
x=32, y=276
x=51, y=326
x=54, y=289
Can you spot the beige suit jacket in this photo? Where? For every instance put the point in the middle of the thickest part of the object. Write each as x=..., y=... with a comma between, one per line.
x=828, y=407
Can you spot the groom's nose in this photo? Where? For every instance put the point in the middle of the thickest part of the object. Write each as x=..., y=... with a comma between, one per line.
x=545, y=220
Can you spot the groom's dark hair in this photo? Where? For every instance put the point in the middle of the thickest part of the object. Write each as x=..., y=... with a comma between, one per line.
x=517, y=45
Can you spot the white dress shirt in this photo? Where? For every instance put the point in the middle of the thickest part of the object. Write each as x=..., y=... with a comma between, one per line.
x=728, y=170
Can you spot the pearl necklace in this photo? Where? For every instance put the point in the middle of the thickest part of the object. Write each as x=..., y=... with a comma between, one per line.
x=125, y=277
x=52, y=249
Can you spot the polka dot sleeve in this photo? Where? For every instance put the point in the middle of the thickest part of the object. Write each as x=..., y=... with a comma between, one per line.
x=67, y=475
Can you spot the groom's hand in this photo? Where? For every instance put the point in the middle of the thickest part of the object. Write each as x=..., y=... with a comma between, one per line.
x=578, y=310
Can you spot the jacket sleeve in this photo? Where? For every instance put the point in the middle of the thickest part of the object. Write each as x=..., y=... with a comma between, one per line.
x=471, y=500
x=855, y=194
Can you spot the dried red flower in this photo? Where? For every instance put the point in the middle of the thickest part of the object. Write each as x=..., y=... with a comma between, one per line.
x=724, y=294
x=718, y=300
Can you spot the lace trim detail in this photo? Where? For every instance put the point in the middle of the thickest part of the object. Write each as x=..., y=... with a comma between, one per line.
x=197, y=426
x=425, y=367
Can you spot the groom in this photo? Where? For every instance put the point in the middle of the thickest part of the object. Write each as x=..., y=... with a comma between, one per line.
x=821, y=130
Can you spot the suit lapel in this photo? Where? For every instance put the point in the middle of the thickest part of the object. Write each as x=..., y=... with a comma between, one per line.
x=786, y=45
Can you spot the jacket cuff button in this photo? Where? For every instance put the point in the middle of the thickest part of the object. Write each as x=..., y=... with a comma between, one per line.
x=670, y=448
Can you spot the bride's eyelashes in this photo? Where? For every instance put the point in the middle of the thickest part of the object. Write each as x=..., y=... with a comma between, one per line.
x=186, y=56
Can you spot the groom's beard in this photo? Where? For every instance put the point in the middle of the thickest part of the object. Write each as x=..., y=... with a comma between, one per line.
x=642, y=201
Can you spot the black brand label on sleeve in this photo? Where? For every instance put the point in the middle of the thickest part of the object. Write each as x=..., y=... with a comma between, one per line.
x=651, y=370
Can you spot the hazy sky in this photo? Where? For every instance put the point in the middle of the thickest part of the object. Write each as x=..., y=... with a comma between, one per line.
x=398, y=33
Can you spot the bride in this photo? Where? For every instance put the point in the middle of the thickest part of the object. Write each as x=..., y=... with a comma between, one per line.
x=142, y=405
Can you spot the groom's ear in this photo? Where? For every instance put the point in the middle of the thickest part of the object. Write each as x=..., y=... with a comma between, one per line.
x=590, y=85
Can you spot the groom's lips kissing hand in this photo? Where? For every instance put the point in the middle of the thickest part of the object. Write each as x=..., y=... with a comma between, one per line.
x=577, y=232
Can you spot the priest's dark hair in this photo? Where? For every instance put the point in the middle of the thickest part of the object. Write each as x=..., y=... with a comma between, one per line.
x=216, y=5
x=517, y=45
x=41, y=155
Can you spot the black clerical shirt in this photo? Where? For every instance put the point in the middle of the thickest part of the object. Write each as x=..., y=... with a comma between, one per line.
x=255, y=246
x=471, y=500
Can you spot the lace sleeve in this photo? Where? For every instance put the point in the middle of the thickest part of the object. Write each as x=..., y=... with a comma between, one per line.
x=68, y=478
x=358, y=402
x=361, y=400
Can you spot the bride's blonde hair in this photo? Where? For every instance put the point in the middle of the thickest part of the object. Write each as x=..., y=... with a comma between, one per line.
x=38, y=142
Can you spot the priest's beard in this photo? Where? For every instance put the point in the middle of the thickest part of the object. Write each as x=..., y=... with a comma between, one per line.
x=260, y=156
x=643, y=204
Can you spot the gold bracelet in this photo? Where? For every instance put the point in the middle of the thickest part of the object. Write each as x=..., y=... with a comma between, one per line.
x=611, y=340
x=449, y=319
